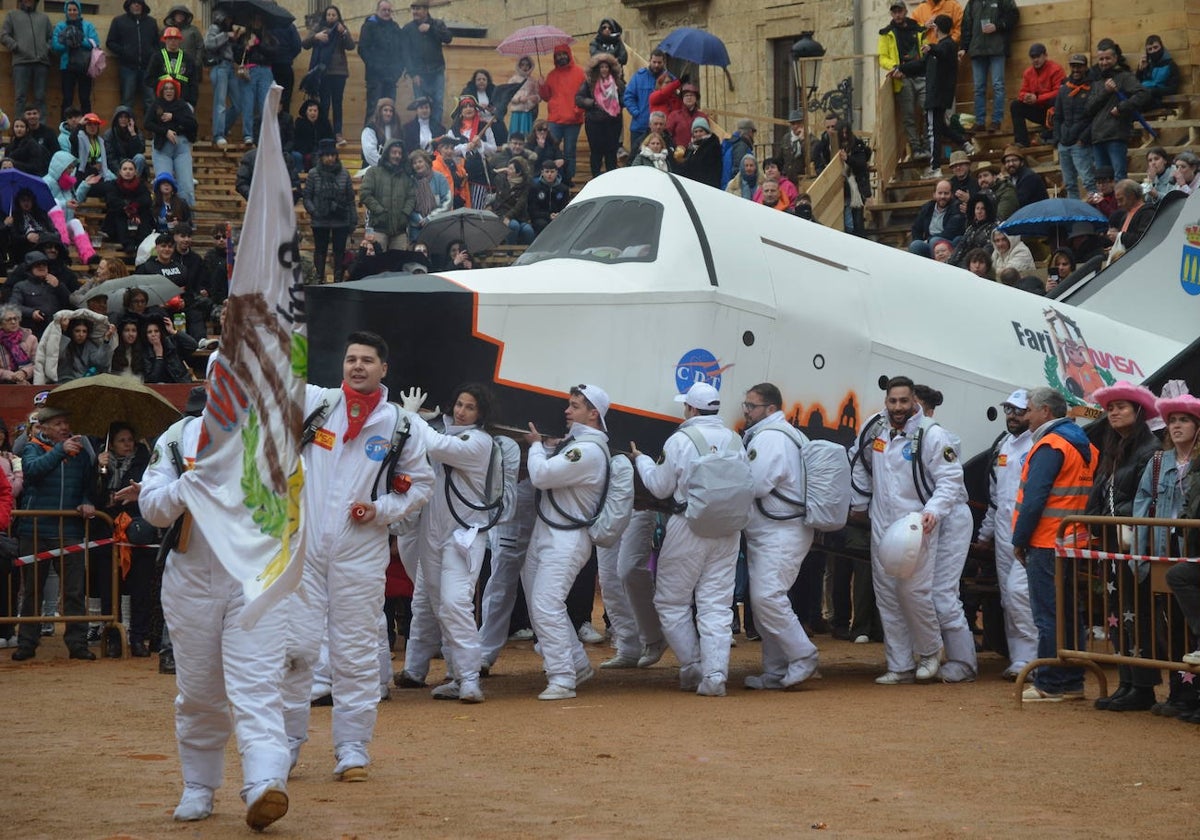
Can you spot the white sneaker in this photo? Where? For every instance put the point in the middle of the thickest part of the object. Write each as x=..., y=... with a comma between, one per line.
x=621, y=660
x=928, y=667
x=557, y=692
x=584, y=674
x=522, y=635
x=651, y=654
x=892, y=678
x=931, y=172
x=711, y=687
x=861, y=640
x=970, y=148
x=470, y=692
x=588, y=635
x=195, y=803
x=446, y=691
x=1192, y=658
x=352, y=762
x=762, y=682
x=222, y=142
x=385, y=691
x=265, y=803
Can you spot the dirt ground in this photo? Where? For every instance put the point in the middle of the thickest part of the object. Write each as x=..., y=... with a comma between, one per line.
x=88, y=752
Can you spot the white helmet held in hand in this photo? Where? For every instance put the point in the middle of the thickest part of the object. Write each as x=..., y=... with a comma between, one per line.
x=900, y=547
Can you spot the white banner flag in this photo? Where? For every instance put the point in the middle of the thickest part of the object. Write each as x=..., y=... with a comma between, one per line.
x=247, y=502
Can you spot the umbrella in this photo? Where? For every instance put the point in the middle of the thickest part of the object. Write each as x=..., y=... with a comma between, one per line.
x=243, y=11
x=478, y=229
x=534, y=40
x=12, y=181
x=696, y=46
x=1039, y=218
x=158, y=289
x=97, y=401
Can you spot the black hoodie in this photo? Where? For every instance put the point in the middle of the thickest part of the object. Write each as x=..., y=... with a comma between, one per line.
x=133, y=41
x=120, y=145
x=611, y=43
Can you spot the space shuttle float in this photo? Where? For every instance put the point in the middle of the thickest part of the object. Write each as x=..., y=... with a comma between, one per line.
x=648, y=282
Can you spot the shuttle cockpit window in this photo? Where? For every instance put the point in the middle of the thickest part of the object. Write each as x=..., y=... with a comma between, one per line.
x=609, y=230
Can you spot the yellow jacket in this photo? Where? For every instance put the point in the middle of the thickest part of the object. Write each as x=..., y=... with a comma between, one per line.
x=889, y=51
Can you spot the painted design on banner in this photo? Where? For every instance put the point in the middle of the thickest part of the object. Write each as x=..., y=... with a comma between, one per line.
x=1072, y=367
x=1189, y=264
x=699, y=365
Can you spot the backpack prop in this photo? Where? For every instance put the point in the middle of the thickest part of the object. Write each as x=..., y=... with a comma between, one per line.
x=614, y=511
x=493, y=491
x=720, y=488
x=872, y=430
x=825, y=481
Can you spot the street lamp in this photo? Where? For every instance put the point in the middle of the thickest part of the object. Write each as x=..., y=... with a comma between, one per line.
x=806, y=69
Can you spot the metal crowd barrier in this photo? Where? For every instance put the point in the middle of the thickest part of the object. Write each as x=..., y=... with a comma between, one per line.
x=68, y=548
x=1097, y=585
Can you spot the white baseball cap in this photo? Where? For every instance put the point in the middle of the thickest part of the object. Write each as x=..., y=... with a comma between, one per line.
x=598, y=397
x=1018, y=399
x=702, y=396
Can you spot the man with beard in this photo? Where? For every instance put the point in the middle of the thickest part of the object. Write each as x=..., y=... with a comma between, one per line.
x=1004, y=477
x=637, y=97
x=938, y=218
x=886, y=483
x=1029, y=185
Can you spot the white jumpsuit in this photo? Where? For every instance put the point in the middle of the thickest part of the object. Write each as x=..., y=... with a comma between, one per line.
x=345, y=565
x=627, y=585
x=953, y=542
x=910, y=618
x=510, y=541
x=775, y=551
x=692, y=567
x=575, y=473
x=228, y=678
x=997, y=527
x=451, y=555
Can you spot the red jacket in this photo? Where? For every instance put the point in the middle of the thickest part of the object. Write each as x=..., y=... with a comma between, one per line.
x=667, y=100
x=679, y=124
x=558, y=91
x=396, y=583
x=1043, y=84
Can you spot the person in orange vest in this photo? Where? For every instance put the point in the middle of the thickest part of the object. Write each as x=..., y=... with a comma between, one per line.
x=453, y=170
x=1055, y=483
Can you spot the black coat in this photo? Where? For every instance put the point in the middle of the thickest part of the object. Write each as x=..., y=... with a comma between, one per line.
x=702, y=162
x=183, y=121
x=133, y=40
x=545, y=199
x=955, y=223
x=941, y=74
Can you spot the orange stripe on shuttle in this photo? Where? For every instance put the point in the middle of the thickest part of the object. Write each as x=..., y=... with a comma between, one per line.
x=525, y=386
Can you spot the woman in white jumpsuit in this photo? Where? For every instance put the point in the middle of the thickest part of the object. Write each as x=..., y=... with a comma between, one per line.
x=453, y=544
x=228, y=677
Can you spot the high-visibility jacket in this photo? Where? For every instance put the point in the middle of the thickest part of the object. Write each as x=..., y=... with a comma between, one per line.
x=1068, y=495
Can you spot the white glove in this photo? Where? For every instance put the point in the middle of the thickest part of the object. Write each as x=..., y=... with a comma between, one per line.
x=412, y=400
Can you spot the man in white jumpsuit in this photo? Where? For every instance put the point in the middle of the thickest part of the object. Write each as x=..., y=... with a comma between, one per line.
x=1004, y=480
x=777, y=541
x=627, y=585
x=692, y=568
x=510, y=541
x=228, y=678
x=912, y=633
x=351, y=497
x=574, y=471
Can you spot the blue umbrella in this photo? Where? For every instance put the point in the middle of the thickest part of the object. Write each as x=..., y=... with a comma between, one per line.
x=1041, y=217
x=696, y=46
x=12, y=181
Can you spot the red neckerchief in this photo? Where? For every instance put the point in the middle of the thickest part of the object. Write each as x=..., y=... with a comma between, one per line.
x=1077, y=89
x=358, y=409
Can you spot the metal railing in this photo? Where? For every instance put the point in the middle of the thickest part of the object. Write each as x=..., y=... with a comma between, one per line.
x=66, y=547
x=1112, y=580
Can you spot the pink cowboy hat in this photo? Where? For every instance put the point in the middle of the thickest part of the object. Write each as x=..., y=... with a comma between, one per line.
x=1182, y=404
x=1125, y=390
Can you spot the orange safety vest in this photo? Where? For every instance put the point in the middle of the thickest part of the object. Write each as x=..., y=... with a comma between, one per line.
x=1068, y=496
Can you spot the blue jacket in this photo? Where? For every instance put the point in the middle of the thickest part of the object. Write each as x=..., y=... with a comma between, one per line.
x=1044, y=466
x=1161, y=77
x=637, y=98
x=54, y=481
x=90, y=37
x=1168, y=499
